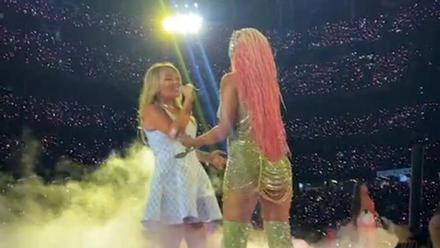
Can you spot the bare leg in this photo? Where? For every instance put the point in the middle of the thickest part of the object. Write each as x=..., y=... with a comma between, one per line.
x=171, y=236
x=238, y=208
x=276, y=223
x=196, y=235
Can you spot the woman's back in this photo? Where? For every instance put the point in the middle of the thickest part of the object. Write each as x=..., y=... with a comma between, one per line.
x=249, y=169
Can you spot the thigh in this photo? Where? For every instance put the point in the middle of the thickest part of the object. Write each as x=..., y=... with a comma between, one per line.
x=171, y=236
x=242, y=170
x=196, y=235
x=276, y=190
x=276, y=211
x=239, y=205
x=240, y=185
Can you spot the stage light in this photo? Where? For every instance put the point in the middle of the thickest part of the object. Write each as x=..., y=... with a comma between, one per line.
x=183, y=23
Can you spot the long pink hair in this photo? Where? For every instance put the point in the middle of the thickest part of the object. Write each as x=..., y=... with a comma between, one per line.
x=253, y=62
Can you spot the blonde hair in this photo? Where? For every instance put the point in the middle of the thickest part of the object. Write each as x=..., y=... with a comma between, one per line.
x=150, y=88
x=258, y=90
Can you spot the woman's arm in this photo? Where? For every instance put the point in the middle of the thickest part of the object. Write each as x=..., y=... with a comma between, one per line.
x=227, y=118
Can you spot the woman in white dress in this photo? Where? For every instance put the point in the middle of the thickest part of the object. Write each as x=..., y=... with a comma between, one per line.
x=181, y=198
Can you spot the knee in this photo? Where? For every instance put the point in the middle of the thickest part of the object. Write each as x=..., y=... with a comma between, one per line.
x=237, y=216
x=275, y=216
x=276, y=211
x=239, y=208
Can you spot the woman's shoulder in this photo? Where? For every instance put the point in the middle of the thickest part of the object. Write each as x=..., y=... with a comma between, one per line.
x=152, y=114
x=229, y=80
x=229, y=77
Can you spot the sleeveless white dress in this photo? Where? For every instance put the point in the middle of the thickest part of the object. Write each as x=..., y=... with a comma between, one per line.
x=180, y=190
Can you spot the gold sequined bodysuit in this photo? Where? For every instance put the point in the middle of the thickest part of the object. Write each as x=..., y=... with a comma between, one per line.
x=249, y=171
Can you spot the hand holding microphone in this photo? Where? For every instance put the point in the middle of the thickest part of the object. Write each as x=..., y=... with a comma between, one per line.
x=187, y=91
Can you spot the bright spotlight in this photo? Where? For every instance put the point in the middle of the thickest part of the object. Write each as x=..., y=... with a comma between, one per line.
x=183, y=23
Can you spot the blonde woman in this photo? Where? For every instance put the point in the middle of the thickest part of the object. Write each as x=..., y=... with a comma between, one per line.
x=181, y=199
x=250, y=118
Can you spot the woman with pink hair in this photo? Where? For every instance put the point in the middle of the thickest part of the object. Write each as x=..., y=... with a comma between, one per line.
x=258, y=168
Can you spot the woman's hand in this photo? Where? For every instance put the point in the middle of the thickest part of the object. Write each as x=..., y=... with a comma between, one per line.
x=218, y=159
x=187, y=91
